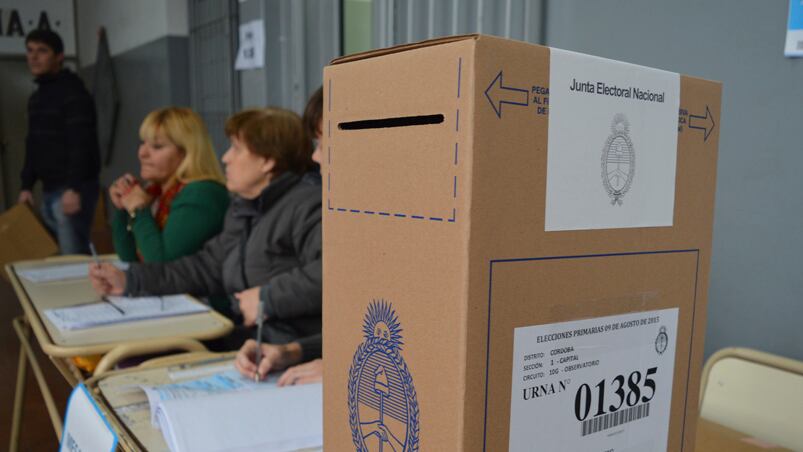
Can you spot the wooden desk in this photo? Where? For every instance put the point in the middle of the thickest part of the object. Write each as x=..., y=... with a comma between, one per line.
x=115, y=342
x=712, y=437
x=127, y=408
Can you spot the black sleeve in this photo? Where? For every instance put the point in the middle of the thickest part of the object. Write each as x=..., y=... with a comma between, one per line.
x=297, y=292
x=80, y=136
x=200, y=274
x=28, y=174
x=311, y=347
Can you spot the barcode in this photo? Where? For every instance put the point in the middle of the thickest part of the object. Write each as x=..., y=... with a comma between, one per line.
x=800, y=45
x=611, y=420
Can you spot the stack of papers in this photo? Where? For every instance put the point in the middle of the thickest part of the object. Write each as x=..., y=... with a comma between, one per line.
x=122, y=310
x=62, y=272
x=228, y=412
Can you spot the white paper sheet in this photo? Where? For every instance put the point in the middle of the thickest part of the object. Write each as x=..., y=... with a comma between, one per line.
x=251, y=54
x=265, y=418
x=62, y=272
x=591, y=385
x=134, y=309
x=612, y=148
x=794, y=32
x=228, y=381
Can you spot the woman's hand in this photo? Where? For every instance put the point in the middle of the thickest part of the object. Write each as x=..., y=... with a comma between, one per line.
x=107, y=279
x=120, y=188
x=311, y=372
x=274, y=357
x=136, y=199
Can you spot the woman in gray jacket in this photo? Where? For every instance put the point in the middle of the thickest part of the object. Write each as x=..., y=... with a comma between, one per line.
x=269, y=251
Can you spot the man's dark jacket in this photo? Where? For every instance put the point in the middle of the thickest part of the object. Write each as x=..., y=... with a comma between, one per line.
x=273, y=242
x=62, y=143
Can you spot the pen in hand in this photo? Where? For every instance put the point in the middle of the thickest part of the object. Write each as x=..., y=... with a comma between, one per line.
x=97, y=263
x=258, y=358
x=94, y=254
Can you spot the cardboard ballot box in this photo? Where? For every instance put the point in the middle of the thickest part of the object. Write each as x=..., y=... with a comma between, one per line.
x=23, y=237
x=517, y=244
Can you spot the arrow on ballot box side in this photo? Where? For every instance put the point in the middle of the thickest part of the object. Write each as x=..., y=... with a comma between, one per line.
x=705, y=123
x=497, y=94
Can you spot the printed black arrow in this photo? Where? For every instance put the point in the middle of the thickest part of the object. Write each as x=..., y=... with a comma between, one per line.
x=708, y=123
x=497, y=94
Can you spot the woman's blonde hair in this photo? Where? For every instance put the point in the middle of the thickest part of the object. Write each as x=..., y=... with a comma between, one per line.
x=185, y=129
x=273, y=133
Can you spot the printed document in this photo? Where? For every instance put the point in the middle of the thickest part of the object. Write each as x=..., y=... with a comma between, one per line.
x=62, y=272
x=231, y=413
x=122, y=310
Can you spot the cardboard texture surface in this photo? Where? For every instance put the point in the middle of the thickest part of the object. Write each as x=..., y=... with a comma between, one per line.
x=435, y=170
x=23, y=237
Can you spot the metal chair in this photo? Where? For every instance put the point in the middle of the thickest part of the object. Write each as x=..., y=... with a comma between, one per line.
x=756, y=393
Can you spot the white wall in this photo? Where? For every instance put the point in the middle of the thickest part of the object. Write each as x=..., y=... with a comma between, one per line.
x=129, y=23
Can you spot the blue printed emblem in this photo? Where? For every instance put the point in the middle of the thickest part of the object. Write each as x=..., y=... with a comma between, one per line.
x=383, y=409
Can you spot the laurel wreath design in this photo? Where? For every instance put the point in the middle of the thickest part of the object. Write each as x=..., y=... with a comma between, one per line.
x=363, y=351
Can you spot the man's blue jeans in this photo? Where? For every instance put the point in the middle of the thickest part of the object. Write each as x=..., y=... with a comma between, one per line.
x=72, y=231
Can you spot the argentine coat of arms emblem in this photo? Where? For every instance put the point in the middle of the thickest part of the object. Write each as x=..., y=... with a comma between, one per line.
x=383, y=409
x=618, y=160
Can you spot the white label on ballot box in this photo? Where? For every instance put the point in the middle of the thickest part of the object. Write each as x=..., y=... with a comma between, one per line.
x=613, y=133
x=594, y=385
x=85, y=427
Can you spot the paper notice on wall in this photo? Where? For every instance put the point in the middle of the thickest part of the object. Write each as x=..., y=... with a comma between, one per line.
x=594, y=385
x=612, y=145
x=251, y=54
x=794, y=32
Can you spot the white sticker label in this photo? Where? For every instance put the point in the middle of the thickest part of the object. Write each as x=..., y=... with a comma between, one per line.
x=594, y=385
x=612, y=144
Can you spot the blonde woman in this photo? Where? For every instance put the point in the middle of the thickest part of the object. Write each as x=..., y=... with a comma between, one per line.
x=180, y=199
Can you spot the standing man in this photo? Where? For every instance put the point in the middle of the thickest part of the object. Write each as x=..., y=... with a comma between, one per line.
x=61, y=146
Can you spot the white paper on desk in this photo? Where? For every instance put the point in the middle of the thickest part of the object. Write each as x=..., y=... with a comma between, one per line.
x=265, y=418
x=227, y=381
x=135, y=309
x=63, y=272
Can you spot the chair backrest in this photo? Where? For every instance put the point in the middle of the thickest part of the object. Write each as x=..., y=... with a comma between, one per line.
x=756, y=393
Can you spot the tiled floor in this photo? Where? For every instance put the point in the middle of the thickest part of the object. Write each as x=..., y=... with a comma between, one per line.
x=37, y=431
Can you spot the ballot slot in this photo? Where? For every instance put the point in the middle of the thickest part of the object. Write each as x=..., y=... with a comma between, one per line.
x=384, y=123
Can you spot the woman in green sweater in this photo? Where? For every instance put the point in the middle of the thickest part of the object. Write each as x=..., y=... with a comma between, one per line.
x=181, y=199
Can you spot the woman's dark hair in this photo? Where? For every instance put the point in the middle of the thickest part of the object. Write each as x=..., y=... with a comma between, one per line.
x=313, y=113
x=272, y=133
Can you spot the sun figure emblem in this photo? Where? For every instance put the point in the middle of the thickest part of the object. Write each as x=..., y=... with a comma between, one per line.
x=382, y=324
